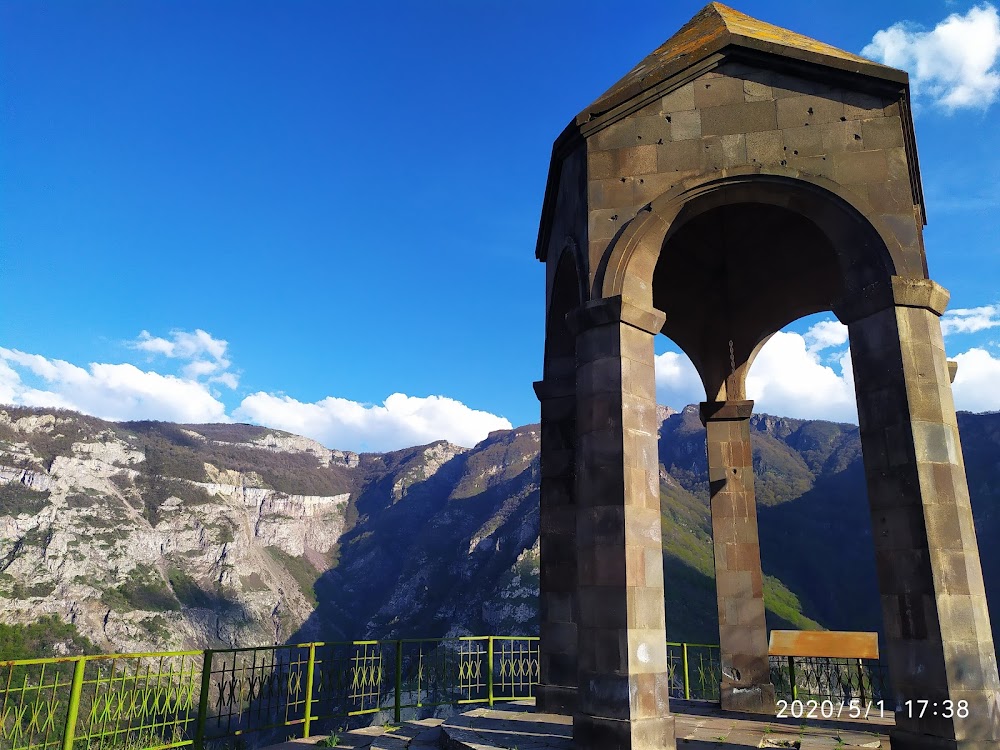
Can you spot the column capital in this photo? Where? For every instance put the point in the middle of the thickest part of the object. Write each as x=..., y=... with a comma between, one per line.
x=725, y=411
x=554, y=388
x=896, y=292
x=610, y=310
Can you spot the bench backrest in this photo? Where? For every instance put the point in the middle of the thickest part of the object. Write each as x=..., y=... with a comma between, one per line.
x=825, y=643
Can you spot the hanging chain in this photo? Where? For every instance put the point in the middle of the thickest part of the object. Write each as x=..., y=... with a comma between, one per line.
x=732, y=358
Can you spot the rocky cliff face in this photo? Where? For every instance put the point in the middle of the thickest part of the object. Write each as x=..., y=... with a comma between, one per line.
x=456, y=554
x=154, y=536
x=140, y=560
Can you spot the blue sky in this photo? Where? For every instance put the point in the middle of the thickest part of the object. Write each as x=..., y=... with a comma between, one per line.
x=291, y=212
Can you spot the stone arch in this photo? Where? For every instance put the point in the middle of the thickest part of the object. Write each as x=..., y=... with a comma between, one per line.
x=861, y=247
x=627, y=266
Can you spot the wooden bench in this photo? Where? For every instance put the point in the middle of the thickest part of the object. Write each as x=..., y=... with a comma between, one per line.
x=824, y=644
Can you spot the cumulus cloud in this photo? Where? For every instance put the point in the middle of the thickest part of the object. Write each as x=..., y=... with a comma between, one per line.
x=400, y=421
x=787, y=378
x=970, y=320
x=954, y=64
x=677, y=381
x=824, y=334
x=10, y=383
x=110, y=391
x=975, y=385
x=206, y=355
x=184, y=344
x=122, y=392
x=227, y=379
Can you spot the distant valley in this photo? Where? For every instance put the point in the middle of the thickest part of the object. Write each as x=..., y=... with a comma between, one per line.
x=151, y=535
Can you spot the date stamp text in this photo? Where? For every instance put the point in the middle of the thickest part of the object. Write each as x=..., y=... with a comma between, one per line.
x=827, y=709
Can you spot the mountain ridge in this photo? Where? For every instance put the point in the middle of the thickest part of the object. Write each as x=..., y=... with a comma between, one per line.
x=153, y=535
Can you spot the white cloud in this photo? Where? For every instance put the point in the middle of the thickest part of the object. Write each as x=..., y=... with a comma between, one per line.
x=788, y=379
x=975, y=387
x=401, y=421
x=970, y=320
x=122, y=392
x=228, y=379
x=10, y=383
x=954, y=64
x=109, y=391
x=184, y=344
x=976, y=383
x=148, y=343
x=207, y=355
x=199, y=369
x=677, y=381
x=824, y=334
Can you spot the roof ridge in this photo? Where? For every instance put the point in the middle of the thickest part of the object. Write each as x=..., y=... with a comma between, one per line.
x=740, y=23
x=710, y=30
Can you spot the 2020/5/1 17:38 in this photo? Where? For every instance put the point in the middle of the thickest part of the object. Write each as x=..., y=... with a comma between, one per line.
x=946, y=709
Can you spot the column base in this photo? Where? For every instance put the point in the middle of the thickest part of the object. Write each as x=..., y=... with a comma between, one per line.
x=555, y=699
x=900, y=739
x=600, y=733
x=749, y=699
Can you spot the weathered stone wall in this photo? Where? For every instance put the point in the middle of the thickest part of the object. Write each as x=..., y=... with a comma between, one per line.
x=737, y=116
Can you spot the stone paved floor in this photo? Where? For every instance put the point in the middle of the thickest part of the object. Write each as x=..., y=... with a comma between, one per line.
x=422, y=734
x=699, y=727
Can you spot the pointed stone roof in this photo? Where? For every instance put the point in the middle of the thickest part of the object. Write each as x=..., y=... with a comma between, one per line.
x=715, y=27
x=717, y=33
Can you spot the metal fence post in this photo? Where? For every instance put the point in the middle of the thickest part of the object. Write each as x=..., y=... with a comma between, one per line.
x=687, y=679
x=310, y=667
x=399, y=682
x=74, y=704
x=861, y=680
x=206, y=687
x=791, y=677
x=489, y=670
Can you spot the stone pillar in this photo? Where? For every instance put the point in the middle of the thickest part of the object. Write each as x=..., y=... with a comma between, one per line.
x=938, y=636
x=556, y=691
x=623, y=693
x=746, y=674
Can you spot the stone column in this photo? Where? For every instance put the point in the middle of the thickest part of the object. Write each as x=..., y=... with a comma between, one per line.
x=746, y=674
x=622, y=700
x=938, y=636
x=556, y=691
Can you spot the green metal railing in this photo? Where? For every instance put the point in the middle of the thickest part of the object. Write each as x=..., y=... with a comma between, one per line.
x=250, y=690
x=155, y=701
x=694, y=670
x=198, y=698
x=99, y=702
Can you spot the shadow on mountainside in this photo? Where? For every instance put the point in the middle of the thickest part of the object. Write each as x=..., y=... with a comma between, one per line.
x=820, y=545
x=830, y=556
x=449, y=553
x=691, y=608
x=794, y=464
